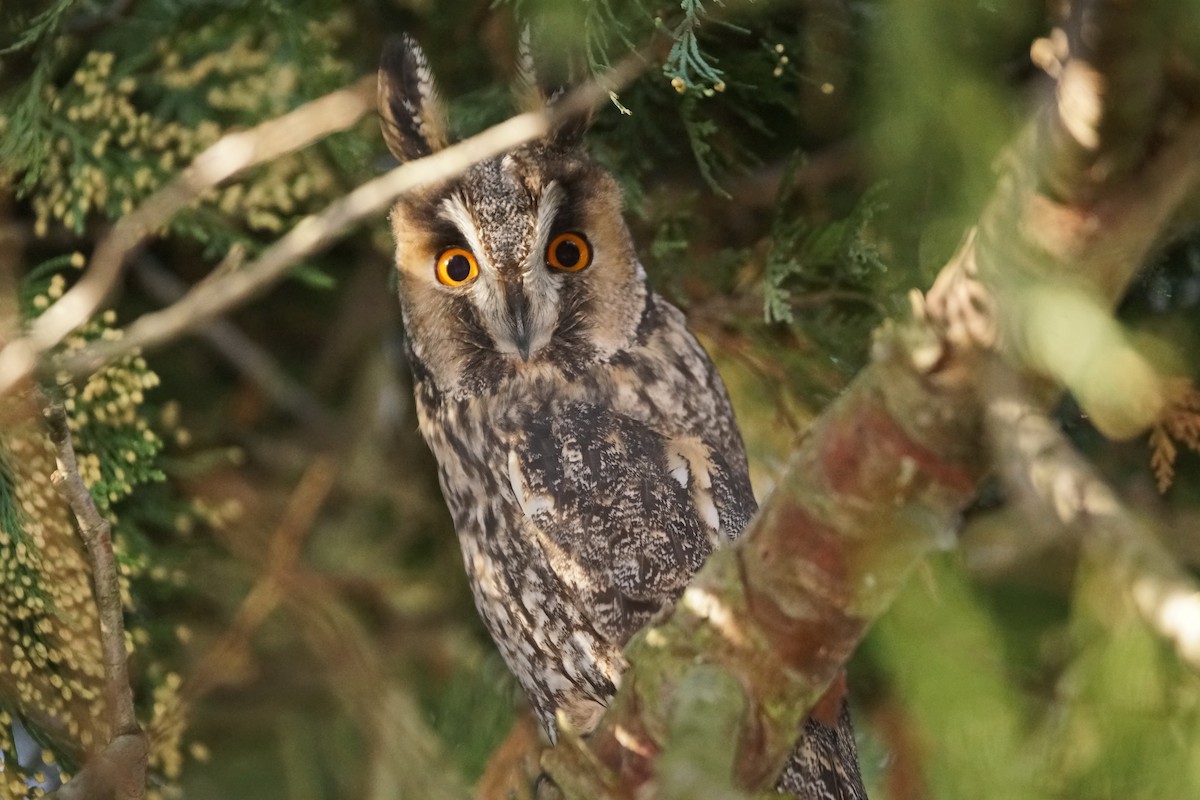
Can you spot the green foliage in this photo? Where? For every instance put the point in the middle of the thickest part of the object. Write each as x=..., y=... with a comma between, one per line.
x=807, y=256
x=473, y=710
x=31, y=31
x=102, y=132
x=686, y=66
x=1007, y=690
x=701, y=136
x=1029, y=695
x=944, y=650
x=55, y=682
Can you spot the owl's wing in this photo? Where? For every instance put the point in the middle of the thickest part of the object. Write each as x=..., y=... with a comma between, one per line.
x=625, y=514
x=824, y=763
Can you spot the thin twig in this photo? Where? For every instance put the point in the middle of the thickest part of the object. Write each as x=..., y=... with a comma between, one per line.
x=244, y=354
x=281, y=559
x=212, y=298
x=120, y=766
x=229, y=156
x=406, y=758
x=97, y=536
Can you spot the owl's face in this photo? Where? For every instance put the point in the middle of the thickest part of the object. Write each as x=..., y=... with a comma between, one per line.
x=520, y=265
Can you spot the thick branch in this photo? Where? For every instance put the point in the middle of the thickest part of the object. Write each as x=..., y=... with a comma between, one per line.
x=1113, y=49
x=121, y=766
x=1089, y=191
x=883, y=474
x=875, y=486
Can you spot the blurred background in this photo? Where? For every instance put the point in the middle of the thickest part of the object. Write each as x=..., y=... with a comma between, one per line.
x=300, y=621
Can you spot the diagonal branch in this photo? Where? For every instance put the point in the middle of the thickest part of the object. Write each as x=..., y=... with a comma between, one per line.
x=1049, y=480
x=245, y=355
x=1111, y=49
x=229, y=156
x=406, y=759
x=121, y=767
x=875, y=485
x=225, y=659
x=882, y=476
x=211, y=298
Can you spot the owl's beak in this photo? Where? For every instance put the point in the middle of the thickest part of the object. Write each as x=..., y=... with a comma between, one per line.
x=518, y=312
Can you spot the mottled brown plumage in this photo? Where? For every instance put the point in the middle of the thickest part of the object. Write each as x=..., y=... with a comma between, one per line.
x=586, y=446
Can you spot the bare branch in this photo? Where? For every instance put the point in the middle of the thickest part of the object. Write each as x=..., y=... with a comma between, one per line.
x=886, y=469
x=212, y=298
x=1049, y=480
x=1108, y=49
x=229, y=156
x=226, y=657
x=512, y=768
x=405, y=757
x=1090, y=189
x=246, y=355
x=121, y=766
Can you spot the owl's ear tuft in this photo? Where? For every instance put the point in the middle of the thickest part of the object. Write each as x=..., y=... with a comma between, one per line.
x=411, y=113
x=539, y=87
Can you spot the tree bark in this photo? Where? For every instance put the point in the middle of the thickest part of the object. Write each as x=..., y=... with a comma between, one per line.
x=1087, y=192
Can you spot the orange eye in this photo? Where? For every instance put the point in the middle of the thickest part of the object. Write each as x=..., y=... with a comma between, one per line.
x=569, y=251
x=456, y=266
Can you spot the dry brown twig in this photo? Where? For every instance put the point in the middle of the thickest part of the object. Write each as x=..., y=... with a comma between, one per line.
x=120, y=768
x=244, y=354
x=224, y=660
x=390, y=720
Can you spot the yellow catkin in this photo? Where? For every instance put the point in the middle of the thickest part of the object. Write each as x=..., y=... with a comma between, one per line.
x=47, y=610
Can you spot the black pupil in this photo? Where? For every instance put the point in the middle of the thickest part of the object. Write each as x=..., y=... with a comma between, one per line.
x=458, y=268
x=567, y=253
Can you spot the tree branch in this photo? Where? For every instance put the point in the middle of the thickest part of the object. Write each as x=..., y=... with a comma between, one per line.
x=245, y=355
x=875, y=486
x=232, y=154
x=211, y=298
x=226, y=658
x=120, y=768
x=882, y=476
x=1049, y=480
x=405, y=758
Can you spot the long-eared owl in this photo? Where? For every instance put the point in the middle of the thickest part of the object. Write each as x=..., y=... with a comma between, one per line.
x=586, y=446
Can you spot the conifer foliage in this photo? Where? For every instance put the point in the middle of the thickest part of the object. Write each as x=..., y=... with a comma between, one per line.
x=297, y=622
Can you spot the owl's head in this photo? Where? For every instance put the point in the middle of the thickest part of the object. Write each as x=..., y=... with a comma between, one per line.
x=522, y=263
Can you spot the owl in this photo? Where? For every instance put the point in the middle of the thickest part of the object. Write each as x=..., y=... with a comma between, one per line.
x=585, y=443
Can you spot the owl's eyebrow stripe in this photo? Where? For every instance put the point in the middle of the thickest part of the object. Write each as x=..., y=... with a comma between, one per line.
x=432, y=218
x=547, y=215
x=453, y=212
